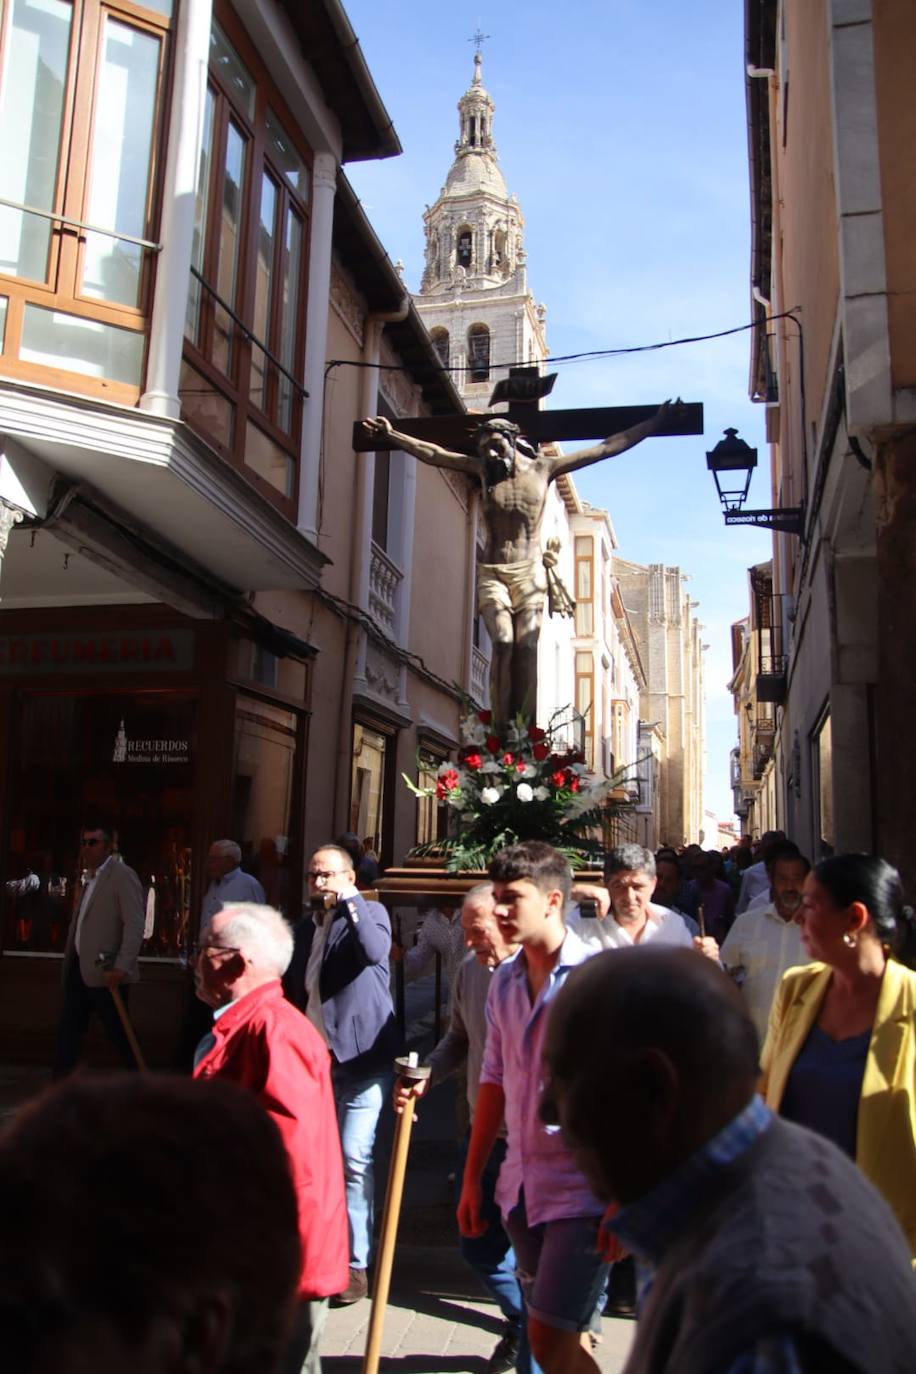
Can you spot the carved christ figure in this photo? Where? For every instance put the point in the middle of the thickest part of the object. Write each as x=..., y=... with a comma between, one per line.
x=513, y=580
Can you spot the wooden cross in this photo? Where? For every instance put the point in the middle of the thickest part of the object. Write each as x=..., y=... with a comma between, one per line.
x=457, y=432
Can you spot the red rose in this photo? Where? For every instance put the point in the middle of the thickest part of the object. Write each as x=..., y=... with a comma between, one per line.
x=574, y=783
x=450, y=780
x=520, y=767
x=558, y=779
x=541, y=752
x=485, y=717
x=493, y=744
x=440, y=790
x=508, y=759
x=472, y=761
x=535, y=733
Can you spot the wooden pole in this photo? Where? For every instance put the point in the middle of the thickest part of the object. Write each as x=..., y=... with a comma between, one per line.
x=128, y=1028
x=105, y=962
x=701, y=919
x=404, y=1068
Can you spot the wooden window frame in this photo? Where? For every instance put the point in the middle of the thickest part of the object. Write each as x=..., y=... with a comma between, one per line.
x=433, y=758
x=588, y=717
x=236, y=389
x=66, y=250
x=584, y=558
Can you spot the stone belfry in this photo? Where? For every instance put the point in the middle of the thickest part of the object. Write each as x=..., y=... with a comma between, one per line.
x=474, y=297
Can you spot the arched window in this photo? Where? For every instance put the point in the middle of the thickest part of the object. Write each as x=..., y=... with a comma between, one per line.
x=479, y=352
x=465, y=247
x=440, y=340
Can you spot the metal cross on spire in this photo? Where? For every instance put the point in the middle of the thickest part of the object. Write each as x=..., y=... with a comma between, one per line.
x=478, y=38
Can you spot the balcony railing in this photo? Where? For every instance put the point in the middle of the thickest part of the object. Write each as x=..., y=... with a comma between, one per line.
x=384, y=582
x=763, y=752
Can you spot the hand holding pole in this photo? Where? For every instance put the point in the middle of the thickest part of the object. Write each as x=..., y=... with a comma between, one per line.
x=406, y=1068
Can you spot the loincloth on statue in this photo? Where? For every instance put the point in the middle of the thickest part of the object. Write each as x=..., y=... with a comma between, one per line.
x=512, y=586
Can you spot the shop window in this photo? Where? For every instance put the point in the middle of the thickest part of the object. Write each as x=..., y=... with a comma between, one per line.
x=432, y=815
x=263, y=793
x=479, y=352
x=245, y=323
x=80, y=117
x=128, y=758
x=368, y=783
x=823, y=761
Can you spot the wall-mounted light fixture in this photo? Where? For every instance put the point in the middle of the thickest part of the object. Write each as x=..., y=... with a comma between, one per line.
x=731, y=463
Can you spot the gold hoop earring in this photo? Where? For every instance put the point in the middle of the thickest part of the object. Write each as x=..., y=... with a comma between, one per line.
x=850, y=940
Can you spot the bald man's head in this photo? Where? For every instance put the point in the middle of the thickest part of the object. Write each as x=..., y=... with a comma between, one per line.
x=649, y=1053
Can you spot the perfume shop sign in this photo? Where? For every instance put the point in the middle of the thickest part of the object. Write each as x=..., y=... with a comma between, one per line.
x=111, y=652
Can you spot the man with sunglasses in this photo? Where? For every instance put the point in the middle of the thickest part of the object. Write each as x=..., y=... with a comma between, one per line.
x=107, y=920
x=339, y=977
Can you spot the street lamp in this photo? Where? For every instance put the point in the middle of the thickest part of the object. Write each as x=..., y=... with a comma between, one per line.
x=735, y=460
x=733, y=457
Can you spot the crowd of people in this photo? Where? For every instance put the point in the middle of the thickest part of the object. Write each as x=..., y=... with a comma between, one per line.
x=703, y=1067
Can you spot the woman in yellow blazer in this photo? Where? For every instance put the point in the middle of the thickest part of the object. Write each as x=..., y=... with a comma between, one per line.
x=840, y=1052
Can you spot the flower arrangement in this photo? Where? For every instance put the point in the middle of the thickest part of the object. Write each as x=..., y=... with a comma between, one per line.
x=525, y=784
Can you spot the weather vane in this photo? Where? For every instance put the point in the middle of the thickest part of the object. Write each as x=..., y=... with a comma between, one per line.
x=478, y=38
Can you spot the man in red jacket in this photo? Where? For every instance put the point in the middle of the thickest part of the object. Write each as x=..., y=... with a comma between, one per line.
x=260, y=1041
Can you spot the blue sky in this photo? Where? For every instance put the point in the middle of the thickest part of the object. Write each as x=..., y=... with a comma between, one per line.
x=620, y=125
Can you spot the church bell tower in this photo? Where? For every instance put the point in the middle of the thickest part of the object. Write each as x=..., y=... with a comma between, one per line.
x=474, y=297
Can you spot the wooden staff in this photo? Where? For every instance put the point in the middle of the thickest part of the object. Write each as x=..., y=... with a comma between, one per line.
x=105, y=962
x=701, y=920
x=409, y=1069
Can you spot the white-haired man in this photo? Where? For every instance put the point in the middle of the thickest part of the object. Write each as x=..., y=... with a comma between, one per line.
x=260, y=1041
x=228, y=882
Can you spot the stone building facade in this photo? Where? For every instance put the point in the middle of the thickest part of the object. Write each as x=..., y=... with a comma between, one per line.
x=832, y=123
x=671, y=706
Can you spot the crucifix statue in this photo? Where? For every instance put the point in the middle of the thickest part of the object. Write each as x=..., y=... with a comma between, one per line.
x=514, y=474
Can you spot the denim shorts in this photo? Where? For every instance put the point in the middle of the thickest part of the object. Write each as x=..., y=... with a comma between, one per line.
x=560, y=1271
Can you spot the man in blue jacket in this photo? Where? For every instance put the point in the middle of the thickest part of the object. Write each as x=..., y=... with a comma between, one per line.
x=339, y=977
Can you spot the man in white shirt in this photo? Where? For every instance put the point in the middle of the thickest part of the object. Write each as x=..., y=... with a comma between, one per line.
x=765, y=941
x=755, y=879
x=782, y=849
x=632, y=918
x=227, y=881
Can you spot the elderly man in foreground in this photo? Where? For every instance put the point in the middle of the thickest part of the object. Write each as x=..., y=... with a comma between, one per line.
x=761, y=1245
x=260, y=1041
x=147, y=1224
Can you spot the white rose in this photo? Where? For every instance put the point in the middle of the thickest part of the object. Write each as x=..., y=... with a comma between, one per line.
x=491, y=766
x=541, y=793
x=489, y=795
x=524, y=792
x=529, y=771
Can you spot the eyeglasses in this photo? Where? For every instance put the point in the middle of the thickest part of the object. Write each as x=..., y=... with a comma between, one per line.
x=199, y=946
x=314, y=873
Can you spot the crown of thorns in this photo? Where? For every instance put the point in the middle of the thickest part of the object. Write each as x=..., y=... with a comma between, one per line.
x=500, y=425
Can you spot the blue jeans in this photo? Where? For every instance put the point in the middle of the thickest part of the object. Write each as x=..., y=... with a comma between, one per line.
x=560, y=1271
x=493, y=1260
x=359, y=1104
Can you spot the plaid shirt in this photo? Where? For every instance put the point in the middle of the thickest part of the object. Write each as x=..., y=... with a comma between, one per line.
x=648, y=1226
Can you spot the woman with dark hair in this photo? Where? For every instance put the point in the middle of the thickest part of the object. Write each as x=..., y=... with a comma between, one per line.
x=840, y=1052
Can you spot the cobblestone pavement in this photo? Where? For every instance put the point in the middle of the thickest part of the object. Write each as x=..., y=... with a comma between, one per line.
x=436, y=1322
